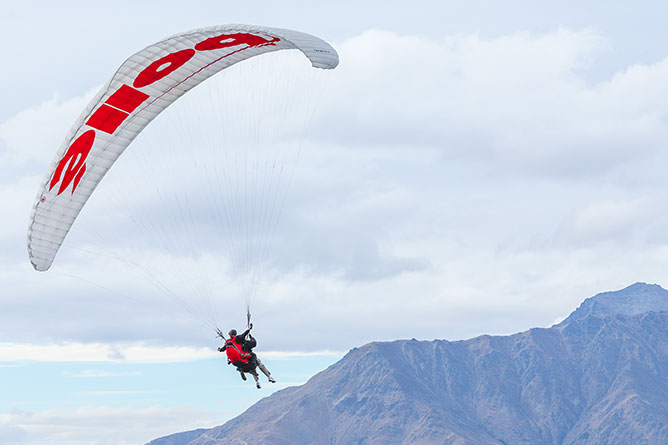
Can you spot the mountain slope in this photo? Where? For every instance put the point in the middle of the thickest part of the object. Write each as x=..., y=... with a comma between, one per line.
x=597, y=378
x=179, y=438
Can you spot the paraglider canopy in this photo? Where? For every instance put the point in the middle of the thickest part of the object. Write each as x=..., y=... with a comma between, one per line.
x=142, y=87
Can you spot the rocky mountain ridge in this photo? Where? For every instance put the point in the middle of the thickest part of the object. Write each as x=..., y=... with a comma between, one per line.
x=638, y=298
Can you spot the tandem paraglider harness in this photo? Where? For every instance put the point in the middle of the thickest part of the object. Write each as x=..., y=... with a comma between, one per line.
x=239, y=350
x=240, y=355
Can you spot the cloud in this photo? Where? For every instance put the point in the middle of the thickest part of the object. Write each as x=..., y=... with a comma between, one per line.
x=10, y=435
x=608, y=220
x=100, y=424
x=93, y=373
x=455, y=175
x=519, y=100
x=35, y=134
x=119, y=392
x=18, y=196
x=287, y=355
x=95, y=352
x=135, y=353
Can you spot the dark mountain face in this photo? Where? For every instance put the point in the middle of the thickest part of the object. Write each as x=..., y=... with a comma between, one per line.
x=596, y=378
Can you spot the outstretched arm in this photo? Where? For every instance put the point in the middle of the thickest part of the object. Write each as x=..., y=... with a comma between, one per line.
x=241, y=337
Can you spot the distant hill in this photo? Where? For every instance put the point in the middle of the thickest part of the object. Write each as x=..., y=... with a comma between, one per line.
x=179, y=438
x=599, y=377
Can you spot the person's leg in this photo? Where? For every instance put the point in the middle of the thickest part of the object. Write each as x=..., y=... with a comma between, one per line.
x=239, y=367
x=264, y=370
x=257, y=378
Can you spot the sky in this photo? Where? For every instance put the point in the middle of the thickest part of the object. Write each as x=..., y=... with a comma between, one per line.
x=469, y=168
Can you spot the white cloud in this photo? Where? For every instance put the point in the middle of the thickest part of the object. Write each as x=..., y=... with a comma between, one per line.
x=608, y=220
x=95, y=352
x=36, y=133
x=120, y=392
x=93, y=373
x=100, y=425
x=455, y=175
x=135, y=353
x=519, y=100
x=18, y=197
x=287, y=355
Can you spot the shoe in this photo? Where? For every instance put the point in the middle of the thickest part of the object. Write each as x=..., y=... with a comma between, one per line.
x=271, y=379
x=258, y=385
x=243, y=376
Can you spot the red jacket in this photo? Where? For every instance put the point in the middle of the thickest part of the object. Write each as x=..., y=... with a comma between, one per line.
x=234, y=352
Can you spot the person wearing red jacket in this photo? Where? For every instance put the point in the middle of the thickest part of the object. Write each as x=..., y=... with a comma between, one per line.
x=240, y=354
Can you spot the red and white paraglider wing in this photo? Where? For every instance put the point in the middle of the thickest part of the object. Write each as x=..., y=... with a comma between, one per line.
x=143, y=86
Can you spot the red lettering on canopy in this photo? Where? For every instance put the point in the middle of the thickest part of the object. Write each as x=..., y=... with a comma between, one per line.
x=162, y=67
x=107, y=119
x=75, y=161
x=127, y=98
x=227, y=40
x=110, y=115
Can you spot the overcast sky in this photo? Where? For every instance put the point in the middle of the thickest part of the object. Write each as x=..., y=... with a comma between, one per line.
x=469, y=168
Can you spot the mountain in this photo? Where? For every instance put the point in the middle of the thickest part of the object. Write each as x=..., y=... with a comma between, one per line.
x=179, y=438
x=601, y=376
x=635, y=299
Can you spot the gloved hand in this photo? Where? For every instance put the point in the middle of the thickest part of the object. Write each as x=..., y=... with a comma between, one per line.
x=250, y=327
x=220, y=349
